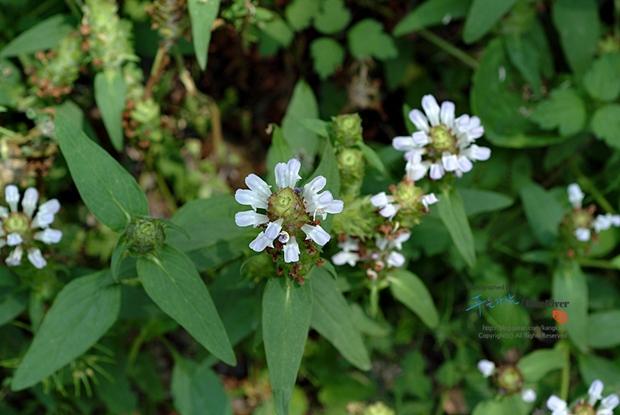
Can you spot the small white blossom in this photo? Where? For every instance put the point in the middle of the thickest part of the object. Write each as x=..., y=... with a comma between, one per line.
x=286, y=208
x=606, y=221
x=608, y=404
x=528, y=395
x=575, y=195
x=486, y=367
x=21, y=229
x=594, y=392
x=557, y=406
x=582, y=234
x=606, y=407
x=442, y=143
x=349, y=254
x=386, y=204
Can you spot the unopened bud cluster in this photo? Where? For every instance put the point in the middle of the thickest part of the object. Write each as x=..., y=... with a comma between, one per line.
x=508, y=379
x=145, y=235
x=347, y=133
x=170, y=18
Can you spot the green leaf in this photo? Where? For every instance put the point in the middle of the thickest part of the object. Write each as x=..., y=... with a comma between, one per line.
x=82, y=312
x=569, y=284
x=365, y=324
x=43, y=36
x=500, y=106
x=479, y=201
x=606, y=124
x=202, y=14
x=332, y=18
x=604, y=329
x=317, y=126
x=601, y=80
x=110, y=193
x=452, y=213
x=172, y=282
x=13, y=297
x=287, y=308
x=214, y=237
x=564, y=110
x=543, y=213
x=278, y=30
x=327, y=56
x=524, y=56
x=482, y=16
x=577, y=23
x=536, y=365
x=409, y=289
x=593, y=367
x=367, y=39
x=373, y=159
x=431, y=13
x=197, y=390
x=331, y=317
x=300, y=13
x=303, y=104
x=110, y=98
x=117, y=256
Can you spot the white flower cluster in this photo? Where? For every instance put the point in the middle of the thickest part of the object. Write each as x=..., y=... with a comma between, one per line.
x=487, y=368
x=607, y=406
x=599, y=224
x=388, y=208
x=442, y=143
x=385, y=253
x=19, y=229
x=283, y=222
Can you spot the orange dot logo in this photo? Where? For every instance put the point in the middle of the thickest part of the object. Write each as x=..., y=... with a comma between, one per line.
x=560, y=316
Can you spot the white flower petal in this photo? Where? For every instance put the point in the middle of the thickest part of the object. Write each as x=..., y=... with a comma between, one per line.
x=251, y=198
x=14, y=239
x=316, y=233
x=49, y=236
x=575, y=195
x=431, y=108
x=314, y=187
x=4, y=212
x=287, y=174
x=450, y=161
x=261, y=242
x=36, y=259
x=50, y=207
x=397, y=242
x=419, y=120
x=465, y=164
x=395, y=259
x=582, y=234
x=557, y=405
x=475, y=152
x=416, y=171
x=381, y=199
x=382, y=243
x=349, y=244
x=389, y=211
x=420, y=138
x=595, y=392
x=437, y=171
x=11, y=195
x=528, y=395
x=429, y=199
x=602, y=222
x=249, y=217
x=403, y=143
x=486, y=367
x=273, y=229
x=344, y=257
x=610, y=402
x=29, y=202
x=447, y=114
x=291, y=250
x=15, y=258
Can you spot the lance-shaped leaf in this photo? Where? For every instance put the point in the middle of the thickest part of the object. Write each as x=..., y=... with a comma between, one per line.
x=287, y=308
x=171, y=280
x=333, y=319
x=109, y=191
x=83, y=312
x=197, y=390
x=569, y=284
x=110, y=97
x=202, y=14
x=452, y=212
x=409, y=289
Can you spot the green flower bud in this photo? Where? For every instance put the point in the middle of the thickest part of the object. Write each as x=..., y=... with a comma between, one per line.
x=583, y=408
x=378, y=408
x=145, y=235
x=508, y=379
x=443, y=140
x=347, y=130
x=17, y=222
x=358, y=218
x=286, y=203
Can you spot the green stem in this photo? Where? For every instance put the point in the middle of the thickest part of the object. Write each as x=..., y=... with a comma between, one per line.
x=450, y=48
x=565, y=373
x=596, y=263
x=588, y=186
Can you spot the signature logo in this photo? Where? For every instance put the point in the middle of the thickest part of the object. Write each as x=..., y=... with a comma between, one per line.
x=560, y=316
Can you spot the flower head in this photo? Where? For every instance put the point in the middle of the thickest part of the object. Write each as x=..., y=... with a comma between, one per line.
x=606, y=407
x=442, y=143
x=22, y=229
x=407, y=202
x=582, y=221
x=292, y=214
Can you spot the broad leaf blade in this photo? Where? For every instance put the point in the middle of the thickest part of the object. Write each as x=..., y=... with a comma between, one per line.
x=13, y=297
x=452, y=213
x=303, y=104
x=577, y=23
x=82, y=312
x=604, y=329
x=202, y=14
x=173, y=283
x=109, y=191
x=431, y=13
x=534, y=366
x=110, y=97
x=197, y=390
x=409, y=289
x=332, y=318
x=543, y=212
x=43, y=36
x=287, y=308
x=569, y=284
x=482, y=16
